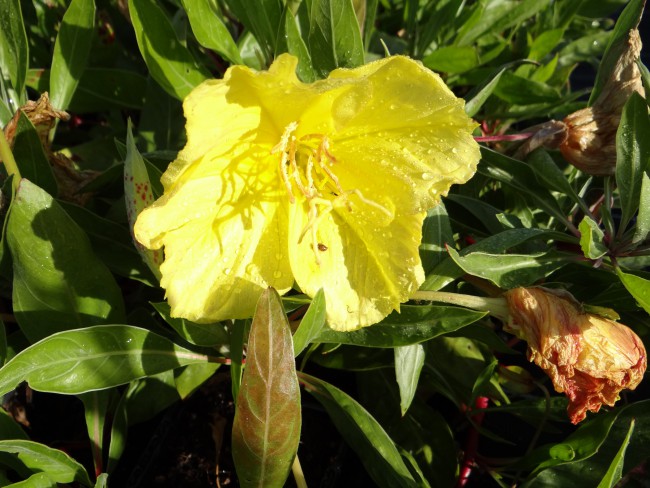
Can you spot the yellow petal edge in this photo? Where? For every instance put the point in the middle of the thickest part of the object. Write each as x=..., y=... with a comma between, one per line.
x=325, y=184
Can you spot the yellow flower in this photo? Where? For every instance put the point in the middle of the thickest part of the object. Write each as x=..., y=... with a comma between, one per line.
x=324, y=184
x=588, y=357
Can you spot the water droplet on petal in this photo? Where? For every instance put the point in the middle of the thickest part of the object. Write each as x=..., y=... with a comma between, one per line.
x=227, y=271
x=277, y=274
x=427, y=176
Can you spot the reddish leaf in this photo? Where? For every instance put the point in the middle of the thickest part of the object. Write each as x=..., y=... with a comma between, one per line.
x=267, y=422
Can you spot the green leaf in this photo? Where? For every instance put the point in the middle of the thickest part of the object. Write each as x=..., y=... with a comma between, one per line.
x=501, y=16
x=102, y=481
x=9, y=428
x=510, y=270
x=71, y=51
x=14, y=49
x=95, y=411
x=551, y=177
x=38, y=480
x=311, y=324
x=523, y=91
x=632, y=155
x=56, y=464
x=436, y=234
x=545, y=43
x=99, y=89
x=452, y=59
x=170, y=63
x=408, y=365
x=290, y=41
x=192, y=376
x=642, y=227
x=138, y=195
x=208, y=335
x=262, y=21
x=615, y=470
x=30, y=156
x=334, y=37
x=520, y=177
x=266, y=429
x=82, y=360
x=477, y=97
x=412, y=325
x=112, y=243
x=638, y=287
x=58, y=283
x=210, y=30
x=363, y=433
x=629, y=19
x=591, y=239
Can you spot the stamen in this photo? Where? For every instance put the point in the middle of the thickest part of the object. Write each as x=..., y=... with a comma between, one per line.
x=316, y=160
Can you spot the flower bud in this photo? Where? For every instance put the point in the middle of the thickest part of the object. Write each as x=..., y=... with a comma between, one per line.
x=588, y=357
x=590, y=143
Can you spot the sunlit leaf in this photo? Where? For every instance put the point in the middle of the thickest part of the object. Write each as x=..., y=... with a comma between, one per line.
x=71, y=51
x=82, y=360
x=408, y=365
x=311, y=324
x=170, y=63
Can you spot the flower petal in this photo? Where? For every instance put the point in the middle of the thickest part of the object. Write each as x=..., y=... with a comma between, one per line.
x=365, y=270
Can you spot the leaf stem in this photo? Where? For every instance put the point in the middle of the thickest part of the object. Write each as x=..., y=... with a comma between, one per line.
x=497, y=307
x=298, y=475
x=8, y=158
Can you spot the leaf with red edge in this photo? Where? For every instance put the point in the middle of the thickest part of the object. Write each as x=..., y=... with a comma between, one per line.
x=266, y=429
x=138, y=195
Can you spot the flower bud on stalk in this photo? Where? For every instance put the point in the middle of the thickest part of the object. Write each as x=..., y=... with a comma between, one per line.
x=588, y=357
x=590, y=143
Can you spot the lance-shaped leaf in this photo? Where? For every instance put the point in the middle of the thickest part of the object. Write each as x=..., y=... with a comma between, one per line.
x=632, y=155
x=365, y=435
x=14, y=49
x=170, y=63
x=209, y=29
x=138, y=194
x=266, y=429
x=311, y=324
x=638, y=287
x=78, y=361
x=408, y=365
x=71, y=51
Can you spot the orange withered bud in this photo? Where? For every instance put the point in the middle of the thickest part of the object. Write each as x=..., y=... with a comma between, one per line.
x=590, y=143
x=588, y=357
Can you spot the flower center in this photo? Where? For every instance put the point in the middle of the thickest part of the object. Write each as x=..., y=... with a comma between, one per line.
x=305, y=167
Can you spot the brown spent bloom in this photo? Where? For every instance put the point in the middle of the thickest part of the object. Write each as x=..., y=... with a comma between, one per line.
x=590, y=143
x=588, y=357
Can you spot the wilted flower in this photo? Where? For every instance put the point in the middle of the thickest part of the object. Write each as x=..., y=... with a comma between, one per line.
x=588, y=357
x=324, y=184
x=590, y=143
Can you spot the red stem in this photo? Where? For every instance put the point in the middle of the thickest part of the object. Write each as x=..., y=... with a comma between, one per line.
x=471, y=445
x=503, y=137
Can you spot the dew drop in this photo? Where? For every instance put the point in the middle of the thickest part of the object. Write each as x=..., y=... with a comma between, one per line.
x=427, y=176
x=454, y=150
x=277, y=274
x=227, y=271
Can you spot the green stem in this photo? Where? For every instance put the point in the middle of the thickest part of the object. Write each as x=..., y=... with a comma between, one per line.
x=10, y=163
x=497, y=307
x=298, y=475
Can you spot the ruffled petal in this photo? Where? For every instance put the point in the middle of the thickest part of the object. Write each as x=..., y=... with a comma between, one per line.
x=366, y=270
x=225, y=238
